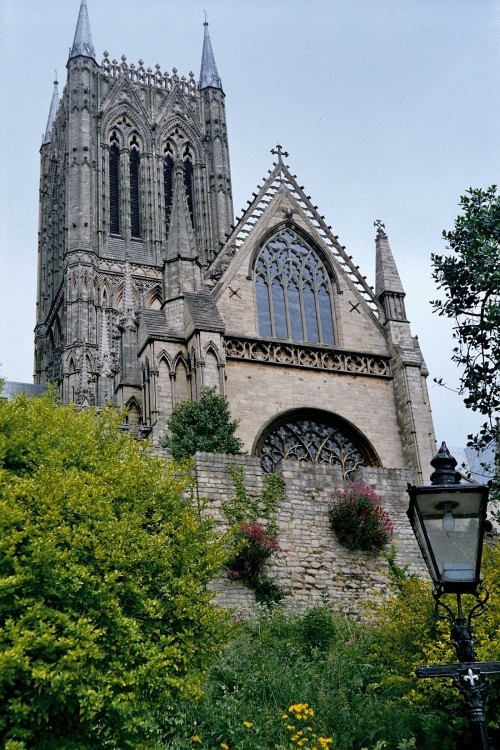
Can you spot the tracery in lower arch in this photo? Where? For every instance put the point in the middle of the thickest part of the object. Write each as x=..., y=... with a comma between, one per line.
x=314, y=440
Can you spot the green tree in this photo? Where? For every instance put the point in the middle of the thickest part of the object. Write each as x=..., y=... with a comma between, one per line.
x=203, y=425
x=470, y=280
x=104, y=561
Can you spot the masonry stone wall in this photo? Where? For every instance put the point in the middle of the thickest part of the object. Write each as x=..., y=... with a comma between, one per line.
x=312, y=565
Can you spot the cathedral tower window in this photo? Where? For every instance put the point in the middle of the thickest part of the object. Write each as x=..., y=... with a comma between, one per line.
x=188, y=181
x=114, y=185
x=135, y=195
x=294, y=291
x=168, y=181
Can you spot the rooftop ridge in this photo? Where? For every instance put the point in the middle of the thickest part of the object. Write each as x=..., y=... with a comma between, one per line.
x=147, y=76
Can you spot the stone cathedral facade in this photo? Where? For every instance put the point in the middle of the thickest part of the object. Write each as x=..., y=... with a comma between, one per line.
x=149, y=290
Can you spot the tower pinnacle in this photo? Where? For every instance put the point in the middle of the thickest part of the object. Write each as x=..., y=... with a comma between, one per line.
x=52, y=114
x=388, y=286
x=209, y=77
x=82, y=43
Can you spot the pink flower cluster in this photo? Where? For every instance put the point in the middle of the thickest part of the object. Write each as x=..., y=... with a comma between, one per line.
x=257, y=534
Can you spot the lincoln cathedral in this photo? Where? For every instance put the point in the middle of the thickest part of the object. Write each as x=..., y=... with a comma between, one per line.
x=149, y=288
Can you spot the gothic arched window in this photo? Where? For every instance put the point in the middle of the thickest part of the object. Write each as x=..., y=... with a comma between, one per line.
x=135, y=199
x=168, y=181
x=114, y=185
x=188, y=181
x=294, y=291
x=315, y=437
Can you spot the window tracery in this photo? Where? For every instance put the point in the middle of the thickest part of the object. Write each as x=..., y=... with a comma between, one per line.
x=294, y=291
x=178, y=149
x=313, y=439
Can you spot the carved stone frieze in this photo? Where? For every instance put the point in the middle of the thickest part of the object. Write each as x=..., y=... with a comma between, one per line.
x=307, y=356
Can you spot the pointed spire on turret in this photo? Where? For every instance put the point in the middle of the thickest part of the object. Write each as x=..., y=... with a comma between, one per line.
x=388, y=286
x=209, y=77
x=180, y=242
x=82, y=43
x=52, y=114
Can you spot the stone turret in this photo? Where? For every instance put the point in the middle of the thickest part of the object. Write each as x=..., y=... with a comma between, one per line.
x=214, y=119
x=409, y=369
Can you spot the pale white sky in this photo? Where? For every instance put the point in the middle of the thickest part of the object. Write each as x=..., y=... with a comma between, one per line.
x=389, y=110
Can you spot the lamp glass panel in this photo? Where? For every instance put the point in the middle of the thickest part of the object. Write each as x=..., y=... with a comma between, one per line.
x=455, y=552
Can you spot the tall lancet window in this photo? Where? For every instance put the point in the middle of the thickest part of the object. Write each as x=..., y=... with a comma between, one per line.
x=135, y=193
x=294, y=291
x=188, y=181
x=168, y=181
x=114, y=185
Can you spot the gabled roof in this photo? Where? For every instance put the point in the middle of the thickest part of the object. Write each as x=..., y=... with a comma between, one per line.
x=280, y=178
x=203, y=310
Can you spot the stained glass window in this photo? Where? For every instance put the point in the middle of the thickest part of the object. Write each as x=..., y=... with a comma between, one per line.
x=294, y=291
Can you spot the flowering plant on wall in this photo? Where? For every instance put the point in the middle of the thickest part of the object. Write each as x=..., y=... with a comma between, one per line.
x=358, y=519
x=256, y=546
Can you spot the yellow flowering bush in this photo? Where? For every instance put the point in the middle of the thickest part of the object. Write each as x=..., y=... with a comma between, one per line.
x=297, y=722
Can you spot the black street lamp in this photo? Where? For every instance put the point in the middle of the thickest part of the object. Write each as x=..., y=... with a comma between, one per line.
x=449, y=522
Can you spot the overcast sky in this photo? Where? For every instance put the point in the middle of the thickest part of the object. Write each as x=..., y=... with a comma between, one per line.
x=389, y=110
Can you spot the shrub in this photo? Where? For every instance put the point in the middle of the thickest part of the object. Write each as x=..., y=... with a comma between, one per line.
x=203, y=425
x=358, y=519
x=105, y=615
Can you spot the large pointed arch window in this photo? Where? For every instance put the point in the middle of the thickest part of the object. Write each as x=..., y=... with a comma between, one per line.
x=188, y=181
x=114, y=185
x=294, y=291
x=135, y=191
x=168, y=181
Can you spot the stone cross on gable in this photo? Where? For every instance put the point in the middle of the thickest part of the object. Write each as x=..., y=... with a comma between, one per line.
x=278, y=151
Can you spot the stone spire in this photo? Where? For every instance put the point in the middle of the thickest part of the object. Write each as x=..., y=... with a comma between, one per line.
x=82, y=43
x=209, y=76
x=180, y=242
x=52, y=114
x=388, y=286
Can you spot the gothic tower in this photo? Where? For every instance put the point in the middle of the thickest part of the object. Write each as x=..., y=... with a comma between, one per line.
x=135, y=197
x=148, y=292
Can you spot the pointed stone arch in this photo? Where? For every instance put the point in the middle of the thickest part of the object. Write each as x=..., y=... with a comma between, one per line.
x=154, y=298
x=314, y=436
x=295, y=287
x=211, y=370
x=182, y=380
x=187, y=134
x=133, y=415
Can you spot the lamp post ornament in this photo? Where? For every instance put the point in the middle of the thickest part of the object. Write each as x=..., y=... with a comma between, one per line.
x=449, y=521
